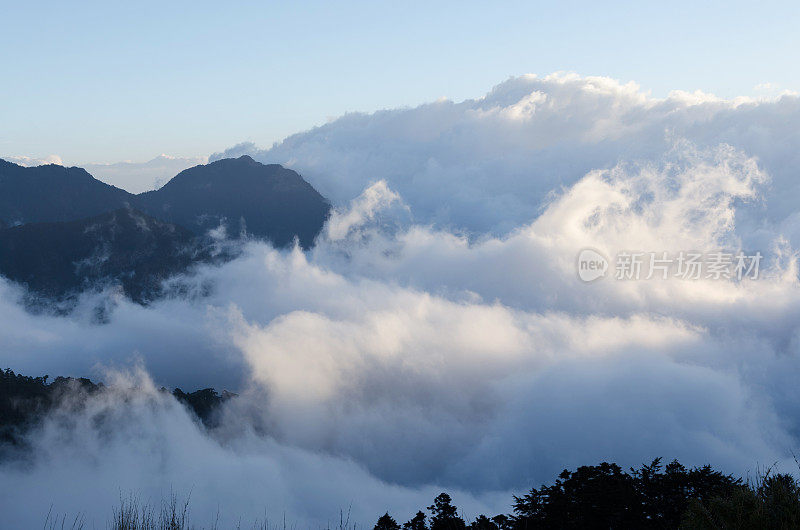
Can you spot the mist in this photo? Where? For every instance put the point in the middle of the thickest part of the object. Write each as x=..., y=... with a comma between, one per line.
x=437, y=337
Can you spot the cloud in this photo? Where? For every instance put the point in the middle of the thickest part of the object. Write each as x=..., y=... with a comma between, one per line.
x=132, y=438
x=376, y=198
x=137, y=177
x=30, y=162
x=438, y=337
x=489, y=164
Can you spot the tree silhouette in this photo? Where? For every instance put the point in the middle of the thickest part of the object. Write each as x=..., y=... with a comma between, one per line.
x=503, y=522
x=416, y=523
x=483, y=523
x=605, y=496
x=774, y=502
x=386, y=522
x=666, y=496
x=444, y=516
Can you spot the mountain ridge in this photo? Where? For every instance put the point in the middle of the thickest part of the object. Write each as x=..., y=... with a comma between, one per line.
x=124, y=247
x=63, y=231
x=246, y=197
x=71, y=193
x=266, y=201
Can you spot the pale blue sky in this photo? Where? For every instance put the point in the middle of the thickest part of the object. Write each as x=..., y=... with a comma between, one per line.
x=109, y=81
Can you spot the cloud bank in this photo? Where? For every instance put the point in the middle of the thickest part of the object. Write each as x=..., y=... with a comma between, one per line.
x=438, y=337
x=137, y=177
x=488, y=164
x=28, y=161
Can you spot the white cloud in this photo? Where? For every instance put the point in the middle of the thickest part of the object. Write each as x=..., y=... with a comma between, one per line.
x=137, y=177
x=364, y=208
x=132, y=438
x=402, y=356
x=488, y=164
x=32, y=161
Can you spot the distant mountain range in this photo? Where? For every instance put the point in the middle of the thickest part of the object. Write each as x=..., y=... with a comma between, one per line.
x=63, y=231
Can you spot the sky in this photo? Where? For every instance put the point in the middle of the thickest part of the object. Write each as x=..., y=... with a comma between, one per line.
x=437, y=337
x=104, y=82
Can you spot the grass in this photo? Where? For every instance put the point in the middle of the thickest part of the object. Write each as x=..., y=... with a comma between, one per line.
x=171, y=514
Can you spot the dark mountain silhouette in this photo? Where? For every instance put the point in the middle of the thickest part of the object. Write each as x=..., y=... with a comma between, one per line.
x=265, y=201
x=63, y=231
x=123, y=246
x=245, y=196
x=54, y=193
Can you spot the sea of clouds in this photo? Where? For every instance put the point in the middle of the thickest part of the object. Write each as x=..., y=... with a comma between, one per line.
x=437, y=337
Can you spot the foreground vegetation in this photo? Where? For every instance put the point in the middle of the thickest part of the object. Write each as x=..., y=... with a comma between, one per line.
x=591, y=497
x=606, y=496
x=653, y=496
x=25, y=400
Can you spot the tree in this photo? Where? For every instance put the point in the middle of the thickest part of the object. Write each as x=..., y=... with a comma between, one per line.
x=666, y=496
x=774, y=502
x=444, y=516
x=605, y=496
x=503, y=522
x=483, y=523
x=386, y=522
x=602, y=496
x=416, y=523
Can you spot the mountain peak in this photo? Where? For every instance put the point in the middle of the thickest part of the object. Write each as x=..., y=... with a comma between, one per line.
x=238, y=161
x=247, y=197
x=52, y=193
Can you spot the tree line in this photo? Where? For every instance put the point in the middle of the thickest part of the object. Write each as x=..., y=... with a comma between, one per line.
x=654, y=496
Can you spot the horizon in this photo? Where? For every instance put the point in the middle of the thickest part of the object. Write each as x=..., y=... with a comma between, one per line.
x=136, y=176
x=80, y=88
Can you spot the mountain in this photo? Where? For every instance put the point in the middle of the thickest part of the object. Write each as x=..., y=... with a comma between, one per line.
x=54, y=193
x=63, y=231
x=124, y=246
x=245, y=196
